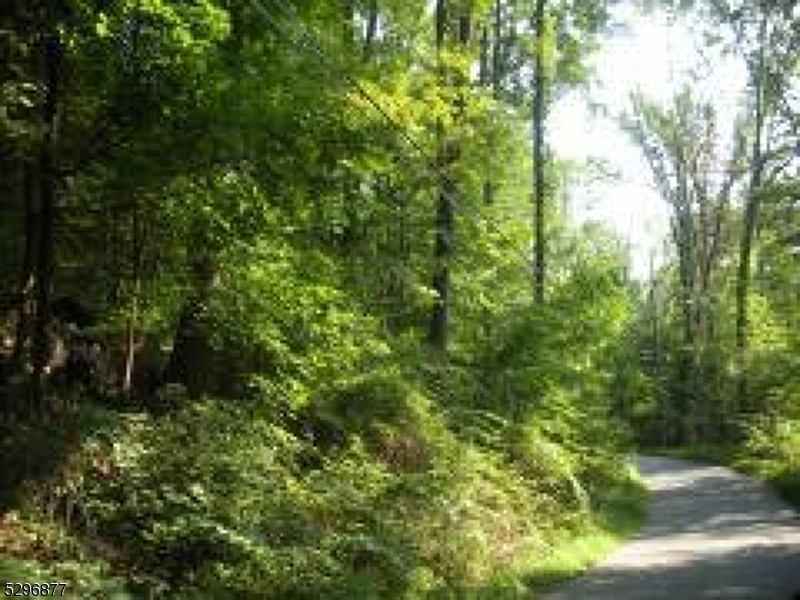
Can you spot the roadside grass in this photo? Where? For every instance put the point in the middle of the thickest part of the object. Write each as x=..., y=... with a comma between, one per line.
x=618, y=515
x=782, y=475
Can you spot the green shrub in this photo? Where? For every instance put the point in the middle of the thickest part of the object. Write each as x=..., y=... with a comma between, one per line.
x=550, y=467
x=212, y=500
x=398, y=422
x=774, y=438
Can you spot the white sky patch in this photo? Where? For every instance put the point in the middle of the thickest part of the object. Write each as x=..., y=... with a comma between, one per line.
x=654, y=54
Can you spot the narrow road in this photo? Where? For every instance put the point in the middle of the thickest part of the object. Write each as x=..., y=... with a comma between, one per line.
x=710, y=533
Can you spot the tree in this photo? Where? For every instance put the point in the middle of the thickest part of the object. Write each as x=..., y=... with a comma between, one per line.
x=538, y=123
x=681, y=146
x=452, y=22
x=770, y=41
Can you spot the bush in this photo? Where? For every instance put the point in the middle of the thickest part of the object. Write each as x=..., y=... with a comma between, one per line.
x=213, y=500
x=550, y=467
x=774, y=438
x=398, y=422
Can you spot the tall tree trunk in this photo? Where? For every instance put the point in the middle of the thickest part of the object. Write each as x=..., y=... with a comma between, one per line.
x=131, y=326
x=491, y=75
x=484, y=79
x=539, y=191
x=193, y=361
x=132, y=322
x=497, y=71
x=442, y=251
x=751, y=211
x=686, y=361
x=655, y=334
x=26, y=301
x=449, y=152
x=437, y=333
x=45, y=258
x=484, y=72
x=372, y=29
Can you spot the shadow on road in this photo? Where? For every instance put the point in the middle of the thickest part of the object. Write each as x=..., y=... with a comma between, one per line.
x=711, y=533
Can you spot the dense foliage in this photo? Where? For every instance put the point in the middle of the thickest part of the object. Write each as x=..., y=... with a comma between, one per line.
x=271, y=329
x=718, y=324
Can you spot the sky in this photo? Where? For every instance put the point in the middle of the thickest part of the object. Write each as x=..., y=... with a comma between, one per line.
x=653, y=53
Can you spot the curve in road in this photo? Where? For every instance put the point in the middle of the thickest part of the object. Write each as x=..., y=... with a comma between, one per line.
x=710, y=533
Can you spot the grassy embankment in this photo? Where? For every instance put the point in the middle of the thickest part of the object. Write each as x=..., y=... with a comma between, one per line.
x=351, y=525
x=618, y=516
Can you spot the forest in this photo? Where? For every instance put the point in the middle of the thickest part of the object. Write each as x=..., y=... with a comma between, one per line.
x=291, y=307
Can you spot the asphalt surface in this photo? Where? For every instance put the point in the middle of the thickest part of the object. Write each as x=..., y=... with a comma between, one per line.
x=710, y=533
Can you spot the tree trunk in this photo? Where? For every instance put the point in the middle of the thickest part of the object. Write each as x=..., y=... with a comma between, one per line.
x=749, y=226
x=484, y=74
x=193, y=361
x=45, y=257
x=496, y=50
x=26, y=301
x=132, y=322
x=437, y=333
x=491, y=76
x=539, y=191
x=441, y=277
x=449, y=152
x=372, y=29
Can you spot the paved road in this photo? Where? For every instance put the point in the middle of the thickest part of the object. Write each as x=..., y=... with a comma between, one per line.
x=711, y=533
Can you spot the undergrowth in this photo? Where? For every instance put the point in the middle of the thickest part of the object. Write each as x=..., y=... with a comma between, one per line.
x=217, y=500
